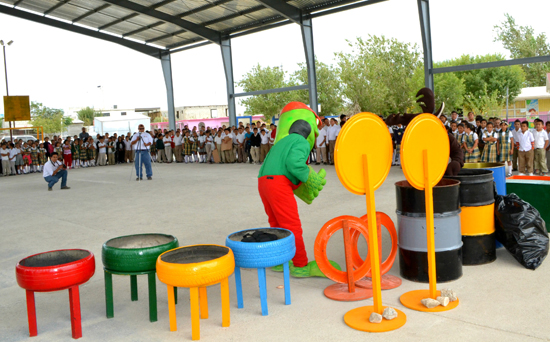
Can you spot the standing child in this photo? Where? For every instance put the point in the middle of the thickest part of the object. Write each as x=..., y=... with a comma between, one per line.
x=454, y=129
x=111, y=151
x=75, y=149
x=13, y=157
x=505, y=148
x=18, y=159
x=42, y=157
x=67, y=154
x=167, y=140
x=526, y=145
x=92, y=152
x=26, y=155
x=5, y=155
x=187, y=143
x=209, y=147
x=548, y=147
x=194, y=145
x=161, y=156
x=397, y=136
x=541, y=143
x=201, y=144
x=58, y=148
x=469, y=144
x=34, y=157
x=460, y=137
x=102, y=151
x=489, y=154
x=84, y=153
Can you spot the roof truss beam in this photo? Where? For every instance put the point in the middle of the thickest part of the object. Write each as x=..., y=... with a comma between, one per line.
x=209, y=34
x=467, y=67
x=56, y=6
x=290, y=12
x=89, y=13
x=146, y=49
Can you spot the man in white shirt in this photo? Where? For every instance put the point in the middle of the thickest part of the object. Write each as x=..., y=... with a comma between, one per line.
x=321, y=145
x=141, y=142
x=178, y=142
x=167, y=140
x=53, y=170
x=333, y=131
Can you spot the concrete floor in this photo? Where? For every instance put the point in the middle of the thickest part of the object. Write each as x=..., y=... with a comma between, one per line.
x=501, y=301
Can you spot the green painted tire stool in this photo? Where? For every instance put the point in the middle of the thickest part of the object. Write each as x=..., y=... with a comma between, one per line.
x=135, y=255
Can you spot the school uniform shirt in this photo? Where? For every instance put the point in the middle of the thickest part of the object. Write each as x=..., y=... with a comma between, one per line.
x=178, y=141
x=486, y=134
x=128, y=145
x=333, y=132
x=202, y=140
x=264, y=139
x=472, y=123
x=540, y=138
x=240, y=138
x=101, y=147
x=110, y=150
x=6, y=152
x=218, y=140
x=50, y=167
x=321, y=138
x=510, y=136
x=209, y=141
x=476, y=137
x=146, y=138
x=13, y=153
x=167, y=141
x=256, y=140
x=525, y=140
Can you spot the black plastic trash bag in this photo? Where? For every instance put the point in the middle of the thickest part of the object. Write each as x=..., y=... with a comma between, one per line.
x=521, y=230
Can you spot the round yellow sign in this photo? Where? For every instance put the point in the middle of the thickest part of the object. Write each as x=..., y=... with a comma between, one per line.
x=425, y=135
x=363, y=134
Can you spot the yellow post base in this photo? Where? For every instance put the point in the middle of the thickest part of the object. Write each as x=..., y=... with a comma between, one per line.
x=412, y=300
x=358, y=319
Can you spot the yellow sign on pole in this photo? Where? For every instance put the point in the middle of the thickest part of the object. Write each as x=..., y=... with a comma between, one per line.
x=17, y=108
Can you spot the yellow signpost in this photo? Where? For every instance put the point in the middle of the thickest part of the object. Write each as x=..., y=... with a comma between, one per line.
x=424, y=157
x=363, y=162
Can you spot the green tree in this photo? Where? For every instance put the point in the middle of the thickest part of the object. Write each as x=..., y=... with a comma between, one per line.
x=329, y=90
x=376, y=74
x=489, y=81
x=87, y=115
x=522, y=43
x=50, y=118
x=486, y=105
x=260, y=78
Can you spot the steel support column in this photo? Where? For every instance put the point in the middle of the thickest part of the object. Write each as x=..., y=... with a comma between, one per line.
x=307, y=39
x=424, y=15
x=167, y=71
x=228, y=68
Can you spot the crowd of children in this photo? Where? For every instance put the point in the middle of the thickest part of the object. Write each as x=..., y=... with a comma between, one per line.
x=487, y=141
x=490, y=141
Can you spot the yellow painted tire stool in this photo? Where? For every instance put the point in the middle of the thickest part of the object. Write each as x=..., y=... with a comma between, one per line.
x=196, y=267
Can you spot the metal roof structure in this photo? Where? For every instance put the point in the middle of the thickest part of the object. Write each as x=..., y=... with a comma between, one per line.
x=166, y=25
x=159, y=28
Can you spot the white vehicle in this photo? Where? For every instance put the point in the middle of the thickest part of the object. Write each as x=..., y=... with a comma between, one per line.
x=25, y=138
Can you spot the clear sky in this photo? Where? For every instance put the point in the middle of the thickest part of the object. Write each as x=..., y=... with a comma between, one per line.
x=63, y=69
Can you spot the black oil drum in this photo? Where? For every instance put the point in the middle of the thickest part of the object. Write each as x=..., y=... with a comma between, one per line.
x=477, y=222
x=411, y=222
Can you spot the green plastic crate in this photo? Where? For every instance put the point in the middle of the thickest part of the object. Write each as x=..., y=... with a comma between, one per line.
x=535, y=190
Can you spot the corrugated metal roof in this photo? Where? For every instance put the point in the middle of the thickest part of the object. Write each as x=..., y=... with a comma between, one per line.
x=116, y=17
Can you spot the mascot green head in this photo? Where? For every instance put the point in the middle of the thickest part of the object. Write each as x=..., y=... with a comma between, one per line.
x=293, y=112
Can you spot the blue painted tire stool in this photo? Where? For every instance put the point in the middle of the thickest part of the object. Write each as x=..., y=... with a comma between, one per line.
x=261, y=255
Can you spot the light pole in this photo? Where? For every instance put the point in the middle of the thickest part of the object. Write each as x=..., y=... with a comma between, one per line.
x=6, y=74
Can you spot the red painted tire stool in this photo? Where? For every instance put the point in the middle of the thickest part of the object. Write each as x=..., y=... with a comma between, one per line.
x=56, y=271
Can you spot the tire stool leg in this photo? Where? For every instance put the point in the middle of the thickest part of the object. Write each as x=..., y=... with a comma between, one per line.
x=31, y=314
x=133, y=288
x=109, y=295
x=203, y=302
x=239, y=286
x=74, y=301
x=152, y=296
x=195, y=319
x=263, y=290
x=226, y=318
x=286, y=277
x=172, y=309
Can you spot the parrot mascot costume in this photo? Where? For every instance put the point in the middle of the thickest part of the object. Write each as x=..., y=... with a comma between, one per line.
x=285, y=173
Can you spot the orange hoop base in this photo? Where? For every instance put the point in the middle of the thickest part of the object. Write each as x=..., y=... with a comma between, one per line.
x=341, y=293
x=358, y=319
x=387, y=282
x=412, y=300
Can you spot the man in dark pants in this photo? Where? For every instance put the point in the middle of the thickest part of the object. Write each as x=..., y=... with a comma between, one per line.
x=53, y=170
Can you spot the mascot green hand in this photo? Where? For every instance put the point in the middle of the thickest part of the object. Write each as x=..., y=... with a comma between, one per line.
x=309, y=190
x=285, y=174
